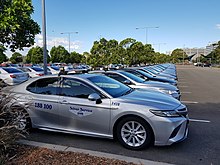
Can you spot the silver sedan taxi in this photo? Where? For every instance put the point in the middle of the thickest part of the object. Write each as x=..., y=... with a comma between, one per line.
x=96, y=105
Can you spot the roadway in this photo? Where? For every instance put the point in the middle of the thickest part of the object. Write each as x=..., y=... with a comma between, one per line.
x=200, y=90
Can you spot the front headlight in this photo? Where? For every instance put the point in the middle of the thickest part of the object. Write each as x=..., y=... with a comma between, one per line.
x=165, y=113
x=169, y=92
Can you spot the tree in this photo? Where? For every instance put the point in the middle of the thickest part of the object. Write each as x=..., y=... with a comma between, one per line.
x=161, y=58
x=17, y=29
x=75, y=57
x=35, y=55
x=124, y=50
x=136, y=51
x=59, y=54
x=215, y=54
x=178, y=55
x=3, y=57
x=16, y=58
x=149, y=54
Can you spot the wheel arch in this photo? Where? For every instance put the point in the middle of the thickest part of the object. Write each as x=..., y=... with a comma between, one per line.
x=131, y=115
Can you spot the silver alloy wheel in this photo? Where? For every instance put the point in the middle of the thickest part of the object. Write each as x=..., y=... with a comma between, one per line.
x=133, y=133
x=21, y=121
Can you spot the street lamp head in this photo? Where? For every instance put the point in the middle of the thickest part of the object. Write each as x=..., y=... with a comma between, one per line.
x=69, y=33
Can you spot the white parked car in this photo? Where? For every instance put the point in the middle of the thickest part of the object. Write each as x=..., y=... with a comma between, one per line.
x=99, y=106
x=53, y=69
x=34, y=71
x=12, y=76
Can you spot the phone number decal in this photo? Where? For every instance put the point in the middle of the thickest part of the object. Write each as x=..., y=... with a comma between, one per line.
x=43, y=106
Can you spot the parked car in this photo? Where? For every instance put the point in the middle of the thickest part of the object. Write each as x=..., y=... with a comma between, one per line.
x=34, y=71
x=136, y=82
x=96, y=105
x=157, y=74
x=147, y=76
x=54, y=69
x=12, y=76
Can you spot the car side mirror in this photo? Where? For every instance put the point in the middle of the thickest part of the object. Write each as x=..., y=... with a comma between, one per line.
x=127, y=82
x=95, y=97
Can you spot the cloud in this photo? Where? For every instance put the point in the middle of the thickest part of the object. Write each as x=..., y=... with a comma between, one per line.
x=56, y=41
x=51, y=41
x=218, y=26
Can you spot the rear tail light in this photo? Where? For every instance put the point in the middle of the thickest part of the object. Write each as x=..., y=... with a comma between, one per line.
x=40, y=74
x=12, y=76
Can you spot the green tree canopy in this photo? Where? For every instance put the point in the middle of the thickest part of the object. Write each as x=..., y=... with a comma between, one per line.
x=16, y=58
x=75, y=57
x=59, y=54
x=35, y=55
x=17, y=29
x=128, y=51
x=215, y=55
x=178, y=55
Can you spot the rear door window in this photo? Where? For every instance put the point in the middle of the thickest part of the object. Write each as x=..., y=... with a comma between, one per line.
x=47, y=86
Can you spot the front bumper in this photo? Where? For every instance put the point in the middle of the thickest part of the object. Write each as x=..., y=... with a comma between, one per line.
x=169, y=130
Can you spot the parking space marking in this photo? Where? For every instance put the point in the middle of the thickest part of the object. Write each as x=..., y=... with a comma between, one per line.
x=183, y=86
x=186, y=92
x=190, y=102
x=201, y=121
x=183, y=82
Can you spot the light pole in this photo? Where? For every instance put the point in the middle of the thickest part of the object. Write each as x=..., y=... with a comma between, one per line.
x=44, y=37
x=69, y=36
x=183, y=54
x=159, y=46
x=146, y=29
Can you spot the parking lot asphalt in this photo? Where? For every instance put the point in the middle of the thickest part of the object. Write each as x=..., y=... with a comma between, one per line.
x=200, y=90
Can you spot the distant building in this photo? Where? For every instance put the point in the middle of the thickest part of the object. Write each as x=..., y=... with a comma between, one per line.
x=195, y=53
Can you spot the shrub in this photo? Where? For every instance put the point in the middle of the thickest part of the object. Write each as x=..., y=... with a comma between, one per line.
x=10, y=115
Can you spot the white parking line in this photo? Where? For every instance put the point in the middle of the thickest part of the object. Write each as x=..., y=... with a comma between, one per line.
x=182, y=86
x=190, y=102
x=202, y=121
x=183, y=82
x=186, y=92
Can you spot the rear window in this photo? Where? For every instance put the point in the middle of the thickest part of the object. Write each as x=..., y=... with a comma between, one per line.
x=12, y=70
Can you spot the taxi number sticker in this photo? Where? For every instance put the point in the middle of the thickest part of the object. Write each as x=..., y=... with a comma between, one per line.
x=115, y=104
x=43, y=106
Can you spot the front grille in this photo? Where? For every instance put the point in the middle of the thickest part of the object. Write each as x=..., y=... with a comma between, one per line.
x=175, y=131
x=183, y=112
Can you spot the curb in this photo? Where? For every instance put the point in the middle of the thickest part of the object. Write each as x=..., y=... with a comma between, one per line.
x=92, y=153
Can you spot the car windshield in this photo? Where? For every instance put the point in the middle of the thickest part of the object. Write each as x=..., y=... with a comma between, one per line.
x=55, y=68
x=144, y=73
x=111, y=86
x=12, y=70
x=133, y=77
x=150, y=71
x=37, y=69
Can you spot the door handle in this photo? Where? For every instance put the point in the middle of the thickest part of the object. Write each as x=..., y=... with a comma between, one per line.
x=64, y=102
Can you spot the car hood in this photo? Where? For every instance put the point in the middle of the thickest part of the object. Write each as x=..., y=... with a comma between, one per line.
x=152, y=99
x=160, y=85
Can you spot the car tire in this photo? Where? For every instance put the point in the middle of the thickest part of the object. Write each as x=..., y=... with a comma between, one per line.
x=134, y=133
x=2, y=83
x=22, y=120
